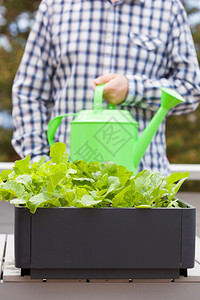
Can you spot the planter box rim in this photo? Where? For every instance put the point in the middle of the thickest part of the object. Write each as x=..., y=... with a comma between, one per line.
x=186, y=206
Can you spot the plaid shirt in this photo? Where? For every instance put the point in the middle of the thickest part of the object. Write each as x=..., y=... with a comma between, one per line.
x=73, y=42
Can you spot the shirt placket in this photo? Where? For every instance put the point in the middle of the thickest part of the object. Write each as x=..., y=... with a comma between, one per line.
x=109, y=39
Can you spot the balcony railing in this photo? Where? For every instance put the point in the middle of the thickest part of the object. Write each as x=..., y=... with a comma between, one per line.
x=193, y=169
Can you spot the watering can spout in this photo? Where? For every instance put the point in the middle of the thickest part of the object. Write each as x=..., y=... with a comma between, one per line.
x=169, y=99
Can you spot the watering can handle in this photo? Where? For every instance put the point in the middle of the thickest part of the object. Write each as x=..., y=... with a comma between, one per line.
x=55, y=122
x=53, y=125
x=98, y=98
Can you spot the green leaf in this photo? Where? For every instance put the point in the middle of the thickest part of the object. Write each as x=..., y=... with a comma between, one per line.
x=22, y=166
x=114, y=181
x=102, y=182
x=143, y=206
x=53, y=180
x=175, y=189
x=58, y=153
x=37, y=200
x=139, y=199
x=173, y=203
x=80, y=192
x=80, y=165
x=156, y=179
x=36, y=165
x=42, y=200
x=18, y=201
x=26, y=181
x=88, y=201
x=72, y=171
x=96, y=175
x=69, y=196
x=4, y=175
x=13, y=189
x=174, y=177
x=142, y=179
x=123, y=174
x=118, y=199
x=108, y=167
x=82, y=179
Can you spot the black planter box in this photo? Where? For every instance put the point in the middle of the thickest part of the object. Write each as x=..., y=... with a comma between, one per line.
x=91, y=243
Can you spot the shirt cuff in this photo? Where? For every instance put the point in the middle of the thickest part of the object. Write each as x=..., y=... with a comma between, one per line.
x=135, y=90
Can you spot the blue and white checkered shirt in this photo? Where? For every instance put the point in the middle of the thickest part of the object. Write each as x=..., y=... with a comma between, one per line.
x=73, y=42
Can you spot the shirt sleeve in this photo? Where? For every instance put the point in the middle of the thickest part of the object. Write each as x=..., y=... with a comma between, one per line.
x=31, y=93
x=182, y=74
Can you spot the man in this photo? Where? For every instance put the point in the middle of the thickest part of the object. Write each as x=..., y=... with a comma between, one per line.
x=134, y=46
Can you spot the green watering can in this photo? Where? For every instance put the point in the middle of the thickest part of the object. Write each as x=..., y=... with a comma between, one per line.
x=112, y=135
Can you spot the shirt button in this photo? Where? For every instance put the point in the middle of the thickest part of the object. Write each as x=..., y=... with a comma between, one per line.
x=109, y=35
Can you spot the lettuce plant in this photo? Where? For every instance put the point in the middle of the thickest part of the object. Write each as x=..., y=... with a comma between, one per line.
x=59, y=183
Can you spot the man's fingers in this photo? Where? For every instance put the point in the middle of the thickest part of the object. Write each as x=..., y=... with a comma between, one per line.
x=116, y=87
x=104, y=78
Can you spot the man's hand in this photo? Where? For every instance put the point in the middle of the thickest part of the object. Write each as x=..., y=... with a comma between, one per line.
x=116, y=87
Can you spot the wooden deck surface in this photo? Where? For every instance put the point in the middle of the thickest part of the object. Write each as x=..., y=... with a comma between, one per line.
x=12, y=274
x=12, y=285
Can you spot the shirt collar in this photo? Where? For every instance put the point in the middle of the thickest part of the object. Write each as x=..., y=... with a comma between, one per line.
x=141, y=1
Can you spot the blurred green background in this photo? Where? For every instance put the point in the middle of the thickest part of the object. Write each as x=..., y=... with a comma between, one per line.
x=183, y=132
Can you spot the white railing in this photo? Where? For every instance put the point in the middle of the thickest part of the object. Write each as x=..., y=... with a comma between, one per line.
x=6, y=165
x=193, y=169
